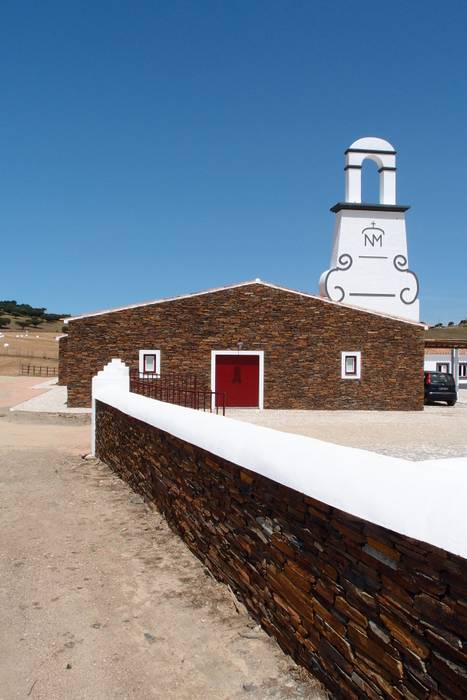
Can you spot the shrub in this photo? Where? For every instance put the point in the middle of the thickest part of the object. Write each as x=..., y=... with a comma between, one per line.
x=4, y=321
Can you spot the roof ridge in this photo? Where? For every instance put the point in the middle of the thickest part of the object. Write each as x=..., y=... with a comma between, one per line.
x=213, y=290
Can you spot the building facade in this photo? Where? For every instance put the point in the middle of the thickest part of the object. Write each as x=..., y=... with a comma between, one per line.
x=263, y=346
x=452, y=360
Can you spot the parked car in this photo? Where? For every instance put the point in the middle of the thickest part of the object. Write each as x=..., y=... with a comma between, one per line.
x=440, y=386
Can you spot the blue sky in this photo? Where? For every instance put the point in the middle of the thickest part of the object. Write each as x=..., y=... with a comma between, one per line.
x=157, y=148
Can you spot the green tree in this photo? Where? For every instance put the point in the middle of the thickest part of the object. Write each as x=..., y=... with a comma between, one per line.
x=4, y=321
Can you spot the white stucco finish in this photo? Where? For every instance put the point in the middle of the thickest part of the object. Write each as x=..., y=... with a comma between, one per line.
x=384, y=155
x=424, y=500
x=369, y=261
x=433, y=359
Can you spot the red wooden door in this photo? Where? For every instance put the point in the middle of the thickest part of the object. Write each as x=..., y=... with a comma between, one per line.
x=238, y=377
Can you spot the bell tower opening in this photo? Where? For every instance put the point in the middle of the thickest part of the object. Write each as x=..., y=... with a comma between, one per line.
x=370, y=181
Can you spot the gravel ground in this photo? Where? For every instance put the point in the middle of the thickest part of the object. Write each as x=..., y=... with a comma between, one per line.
x=436, y=432
x=99, y=600
x=16, y=389
x=52, y=400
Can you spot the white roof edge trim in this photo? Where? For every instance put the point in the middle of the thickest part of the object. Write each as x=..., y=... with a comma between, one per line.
x=245, y=284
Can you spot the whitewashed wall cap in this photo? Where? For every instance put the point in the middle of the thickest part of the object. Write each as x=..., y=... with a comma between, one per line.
x=371, y=144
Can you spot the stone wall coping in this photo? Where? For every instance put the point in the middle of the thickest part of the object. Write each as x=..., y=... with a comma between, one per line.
x=424, y=500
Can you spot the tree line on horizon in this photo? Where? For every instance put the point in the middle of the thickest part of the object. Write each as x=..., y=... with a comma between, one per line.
x=25, y=314
x=463, y=322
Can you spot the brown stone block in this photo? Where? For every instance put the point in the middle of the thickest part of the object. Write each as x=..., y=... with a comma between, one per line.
x=450, y=676
x=351, y=534
x=384, y=548
x=447, y=644
x=368, y=690
x=378, y=675
x=291, y=613
x=405, y=637
x=328, y=652
x=437, y=611
x=283, y=545
x=325, y=591
x=318, y=505
x=376, y=651
x=349, y=611
x=246, y=477
x=338, y=641
x=300, y=578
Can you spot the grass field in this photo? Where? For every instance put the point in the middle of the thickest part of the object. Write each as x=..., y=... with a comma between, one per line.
x=52, y=327
x=33, y=347
x=448, y=332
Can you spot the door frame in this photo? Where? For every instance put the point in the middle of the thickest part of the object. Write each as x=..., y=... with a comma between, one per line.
x=259, y=353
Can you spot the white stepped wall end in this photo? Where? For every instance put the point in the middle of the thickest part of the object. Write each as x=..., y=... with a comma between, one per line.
x=115, y=374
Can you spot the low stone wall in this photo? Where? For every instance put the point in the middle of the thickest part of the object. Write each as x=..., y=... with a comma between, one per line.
x=370, y=612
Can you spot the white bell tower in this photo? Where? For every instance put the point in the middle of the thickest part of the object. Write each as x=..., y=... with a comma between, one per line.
x=369, y=262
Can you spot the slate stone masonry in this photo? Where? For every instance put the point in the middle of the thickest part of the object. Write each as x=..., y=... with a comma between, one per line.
x=62, y=360
x=302, y=338
x=372, y=613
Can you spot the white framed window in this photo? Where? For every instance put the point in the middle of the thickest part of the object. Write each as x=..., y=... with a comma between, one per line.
x=150, y=361
x=351, y=364
x=442, y=367
x=462, y=370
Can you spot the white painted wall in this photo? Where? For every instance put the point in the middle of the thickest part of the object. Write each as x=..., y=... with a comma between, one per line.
x=424, y=500
x=431, y=361
x=384, y=155
x=369, y=261
x=369, y=264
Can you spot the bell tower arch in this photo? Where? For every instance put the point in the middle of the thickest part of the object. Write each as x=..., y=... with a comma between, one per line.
x=384, y=155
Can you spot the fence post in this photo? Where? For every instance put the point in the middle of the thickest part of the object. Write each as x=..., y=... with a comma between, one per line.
x=116, y=375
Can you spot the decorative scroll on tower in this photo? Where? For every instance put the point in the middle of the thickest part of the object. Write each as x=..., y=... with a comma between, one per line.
x=369, y=263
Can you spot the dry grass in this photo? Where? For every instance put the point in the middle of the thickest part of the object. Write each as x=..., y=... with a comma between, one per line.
x=31, y=347
x=447, y=333
x=45, y=327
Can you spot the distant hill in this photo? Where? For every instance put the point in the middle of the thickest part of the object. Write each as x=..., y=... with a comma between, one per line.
x=448, y=332
x=14, y=316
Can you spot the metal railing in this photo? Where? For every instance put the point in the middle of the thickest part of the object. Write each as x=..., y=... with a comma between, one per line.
x=38, y=371
x=179, y=389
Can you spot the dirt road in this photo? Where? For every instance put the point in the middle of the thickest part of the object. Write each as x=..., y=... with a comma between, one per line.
x=99, y=600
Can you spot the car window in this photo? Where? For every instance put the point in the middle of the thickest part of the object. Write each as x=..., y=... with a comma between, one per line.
x=441, y=378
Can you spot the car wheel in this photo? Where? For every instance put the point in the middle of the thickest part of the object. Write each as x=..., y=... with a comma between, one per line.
x=451, y=403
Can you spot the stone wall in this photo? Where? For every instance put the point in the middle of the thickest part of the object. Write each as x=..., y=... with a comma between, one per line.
x=370, y=612
x=62, y=360
x=302, y=338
